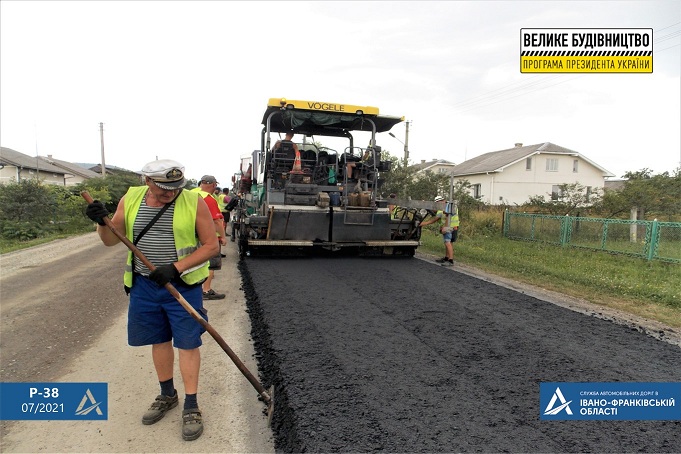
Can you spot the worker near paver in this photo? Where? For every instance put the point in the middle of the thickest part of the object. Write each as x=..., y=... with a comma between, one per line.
x=207, y=185
x=449, y=228
x=288, y=138
x=223, y=200
x=233, y=202
x=392, y=208
x=173, y=228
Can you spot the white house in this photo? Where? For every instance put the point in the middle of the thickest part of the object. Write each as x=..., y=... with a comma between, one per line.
x=514, y=175
x=16, y=166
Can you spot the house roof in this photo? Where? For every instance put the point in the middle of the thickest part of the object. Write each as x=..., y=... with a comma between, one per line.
x=423, y=166
x=110, y=170
x=614, y=185
x=14, y=158
x=50, y=164
x=72, y=168
x=497, y=161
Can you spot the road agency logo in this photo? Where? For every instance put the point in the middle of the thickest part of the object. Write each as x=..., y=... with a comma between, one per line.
x=82, y=410
x=586, y=50
x=553, y=408
x=633, y=401
x=51, y=401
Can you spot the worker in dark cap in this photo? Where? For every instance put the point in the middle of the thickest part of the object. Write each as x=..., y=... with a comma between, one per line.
x=207, y=185
x=174, y=230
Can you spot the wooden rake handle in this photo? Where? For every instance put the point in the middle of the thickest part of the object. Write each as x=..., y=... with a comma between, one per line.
x=188, y=307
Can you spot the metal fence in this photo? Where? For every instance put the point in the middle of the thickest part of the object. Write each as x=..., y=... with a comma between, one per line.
x=652, y=240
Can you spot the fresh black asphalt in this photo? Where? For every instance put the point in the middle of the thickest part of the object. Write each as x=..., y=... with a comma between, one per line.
x=402, y=355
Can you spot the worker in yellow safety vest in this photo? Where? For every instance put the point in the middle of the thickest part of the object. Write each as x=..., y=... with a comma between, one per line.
x=448, y=218
x=173, y=229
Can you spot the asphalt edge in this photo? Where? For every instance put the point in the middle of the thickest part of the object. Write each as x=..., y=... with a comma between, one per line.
x=283, y=421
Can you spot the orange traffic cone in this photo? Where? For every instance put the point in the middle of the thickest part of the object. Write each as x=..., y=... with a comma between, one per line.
x=297, y=167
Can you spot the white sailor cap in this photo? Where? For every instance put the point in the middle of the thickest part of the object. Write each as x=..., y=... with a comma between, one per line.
x=165, y=173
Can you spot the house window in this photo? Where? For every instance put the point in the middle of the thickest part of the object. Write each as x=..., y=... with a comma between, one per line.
x=588, y=193
x=528, y=164
x=477, y=190
x=552, y=165
x=556, y=192
x=442, y=170
x=575, y=165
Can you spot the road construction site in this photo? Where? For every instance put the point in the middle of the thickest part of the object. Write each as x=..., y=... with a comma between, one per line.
x=394, y=355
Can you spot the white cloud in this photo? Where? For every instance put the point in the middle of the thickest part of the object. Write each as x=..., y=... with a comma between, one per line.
x=190, y=80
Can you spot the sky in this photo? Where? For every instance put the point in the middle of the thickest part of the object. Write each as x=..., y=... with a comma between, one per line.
x=190, y=81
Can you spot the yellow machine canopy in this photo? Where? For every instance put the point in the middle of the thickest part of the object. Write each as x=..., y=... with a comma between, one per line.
x=324, y=118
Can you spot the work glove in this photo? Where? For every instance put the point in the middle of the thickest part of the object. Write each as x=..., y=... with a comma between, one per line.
x=97, y=212
x=164, y=274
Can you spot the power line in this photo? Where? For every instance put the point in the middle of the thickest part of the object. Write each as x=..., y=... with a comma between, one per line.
x=522, y=93
x=669, y=26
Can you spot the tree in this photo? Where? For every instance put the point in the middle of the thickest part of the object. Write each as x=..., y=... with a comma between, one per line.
x=109, y=190
x=654, y=196
x=406, y=182
x=398, y=180
x=571, y=199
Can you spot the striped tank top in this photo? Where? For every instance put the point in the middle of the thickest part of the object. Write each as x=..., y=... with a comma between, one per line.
x=158, y=244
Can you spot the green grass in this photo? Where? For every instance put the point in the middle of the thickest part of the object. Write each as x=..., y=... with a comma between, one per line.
x=7, y=245
x=651, y=289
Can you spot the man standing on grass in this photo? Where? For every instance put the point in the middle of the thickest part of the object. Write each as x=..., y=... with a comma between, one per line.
x=449, y=228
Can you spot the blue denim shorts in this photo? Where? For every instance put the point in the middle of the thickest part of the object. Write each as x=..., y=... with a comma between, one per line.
x=450, y=237
x=155, y=316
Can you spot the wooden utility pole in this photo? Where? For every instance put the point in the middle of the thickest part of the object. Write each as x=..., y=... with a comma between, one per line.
x=37, y=158
x=101, y=136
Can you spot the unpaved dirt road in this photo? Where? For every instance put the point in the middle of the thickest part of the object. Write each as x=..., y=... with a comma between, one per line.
x=63, y=319
x=408, y=356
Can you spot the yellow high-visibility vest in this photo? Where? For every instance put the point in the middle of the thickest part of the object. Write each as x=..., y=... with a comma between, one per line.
x=184, y=231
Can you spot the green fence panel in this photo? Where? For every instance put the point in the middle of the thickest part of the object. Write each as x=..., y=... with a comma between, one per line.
x=669, y=241
x=651, y=240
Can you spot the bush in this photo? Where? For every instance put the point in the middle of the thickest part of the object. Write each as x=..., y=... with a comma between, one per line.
x=31, y=210
x=24, y=201
x=20, y=230
x=484, y=223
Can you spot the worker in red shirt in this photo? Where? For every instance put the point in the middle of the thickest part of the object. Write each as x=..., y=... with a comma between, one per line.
x=206, y=188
